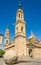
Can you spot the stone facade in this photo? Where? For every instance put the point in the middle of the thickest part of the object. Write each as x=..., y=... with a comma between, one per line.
x=1, y=41
x=30, y=47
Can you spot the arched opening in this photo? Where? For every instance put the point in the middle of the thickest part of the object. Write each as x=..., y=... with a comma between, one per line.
x=30, y=53
x=17, y=28
x=19, y=15
x=6, y=41
x=21, y=29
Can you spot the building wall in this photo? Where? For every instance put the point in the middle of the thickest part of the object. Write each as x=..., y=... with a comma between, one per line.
x=20, y=45
x=21, y=49
x=27, y=52
x=10, y=46
x=37, y=52
x=0, y=39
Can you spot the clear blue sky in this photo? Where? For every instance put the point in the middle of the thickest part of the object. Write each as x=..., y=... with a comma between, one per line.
x=32, y=12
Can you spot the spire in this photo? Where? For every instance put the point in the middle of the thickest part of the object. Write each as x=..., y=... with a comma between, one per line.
x=32, y=33
x=7, y=30
x=20, y=6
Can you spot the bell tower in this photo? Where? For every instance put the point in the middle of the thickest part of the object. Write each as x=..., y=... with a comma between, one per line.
x=6, y=38
x=20, y=13
x=20, y=32
x=20, y=23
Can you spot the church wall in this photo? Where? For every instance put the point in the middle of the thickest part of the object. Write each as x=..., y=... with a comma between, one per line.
x=27, y=49
x=0, y=39
x=21, y=45
x=27, y=52
x=5, y=46
x=16, y=44
x=37, y=52
x=9, y=48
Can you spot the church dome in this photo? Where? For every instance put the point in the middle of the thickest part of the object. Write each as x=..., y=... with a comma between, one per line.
x=32, y=36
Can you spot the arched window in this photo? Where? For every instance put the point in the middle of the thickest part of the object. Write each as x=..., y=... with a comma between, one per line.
x=21, y=29
x=30, y=53
x=7, y=41
x=19, y=15
x=30, y=50
x=17, y=28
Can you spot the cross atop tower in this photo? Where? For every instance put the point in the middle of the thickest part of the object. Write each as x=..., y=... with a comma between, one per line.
x=20, y=13
x=20, y=6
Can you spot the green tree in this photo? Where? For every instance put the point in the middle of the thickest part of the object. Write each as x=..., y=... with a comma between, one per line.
x=2, y=52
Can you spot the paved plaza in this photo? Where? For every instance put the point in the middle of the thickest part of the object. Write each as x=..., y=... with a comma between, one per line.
x=23, y=62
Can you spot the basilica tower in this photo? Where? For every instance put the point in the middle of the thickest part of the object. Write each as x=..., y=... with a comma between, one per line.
x=6, y=38
x=20, y=23
x=20, y=32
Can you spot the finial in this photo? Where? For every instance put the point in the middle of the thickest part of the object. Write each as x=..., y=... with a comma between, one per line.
x=20, y=3
x=32, y=33
x=7, y=29
x=20, y=7
x=8, y=26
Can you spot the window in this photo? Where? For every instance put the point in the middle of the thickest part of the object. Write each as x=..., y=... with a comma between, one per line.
x=19, y=15
x=7, y=34
x=17, y=28
x=30, y=53
x=21, y=29
x=7, y=41
x=30, y=50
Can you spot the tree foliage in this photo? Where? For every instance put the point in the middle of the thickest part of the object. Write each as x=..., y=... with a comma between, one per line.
x=2, y=52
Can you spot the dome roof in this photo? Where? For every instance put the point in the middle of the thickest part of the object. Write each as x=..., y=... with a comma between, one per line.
x=32, y=35
x=20, y=7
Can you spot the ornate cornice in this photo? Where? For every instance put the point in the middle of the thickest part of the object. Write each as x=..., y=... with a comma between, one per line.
x=19, y=21
x=20, y=34
x=37, y=45
x=9, y=47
